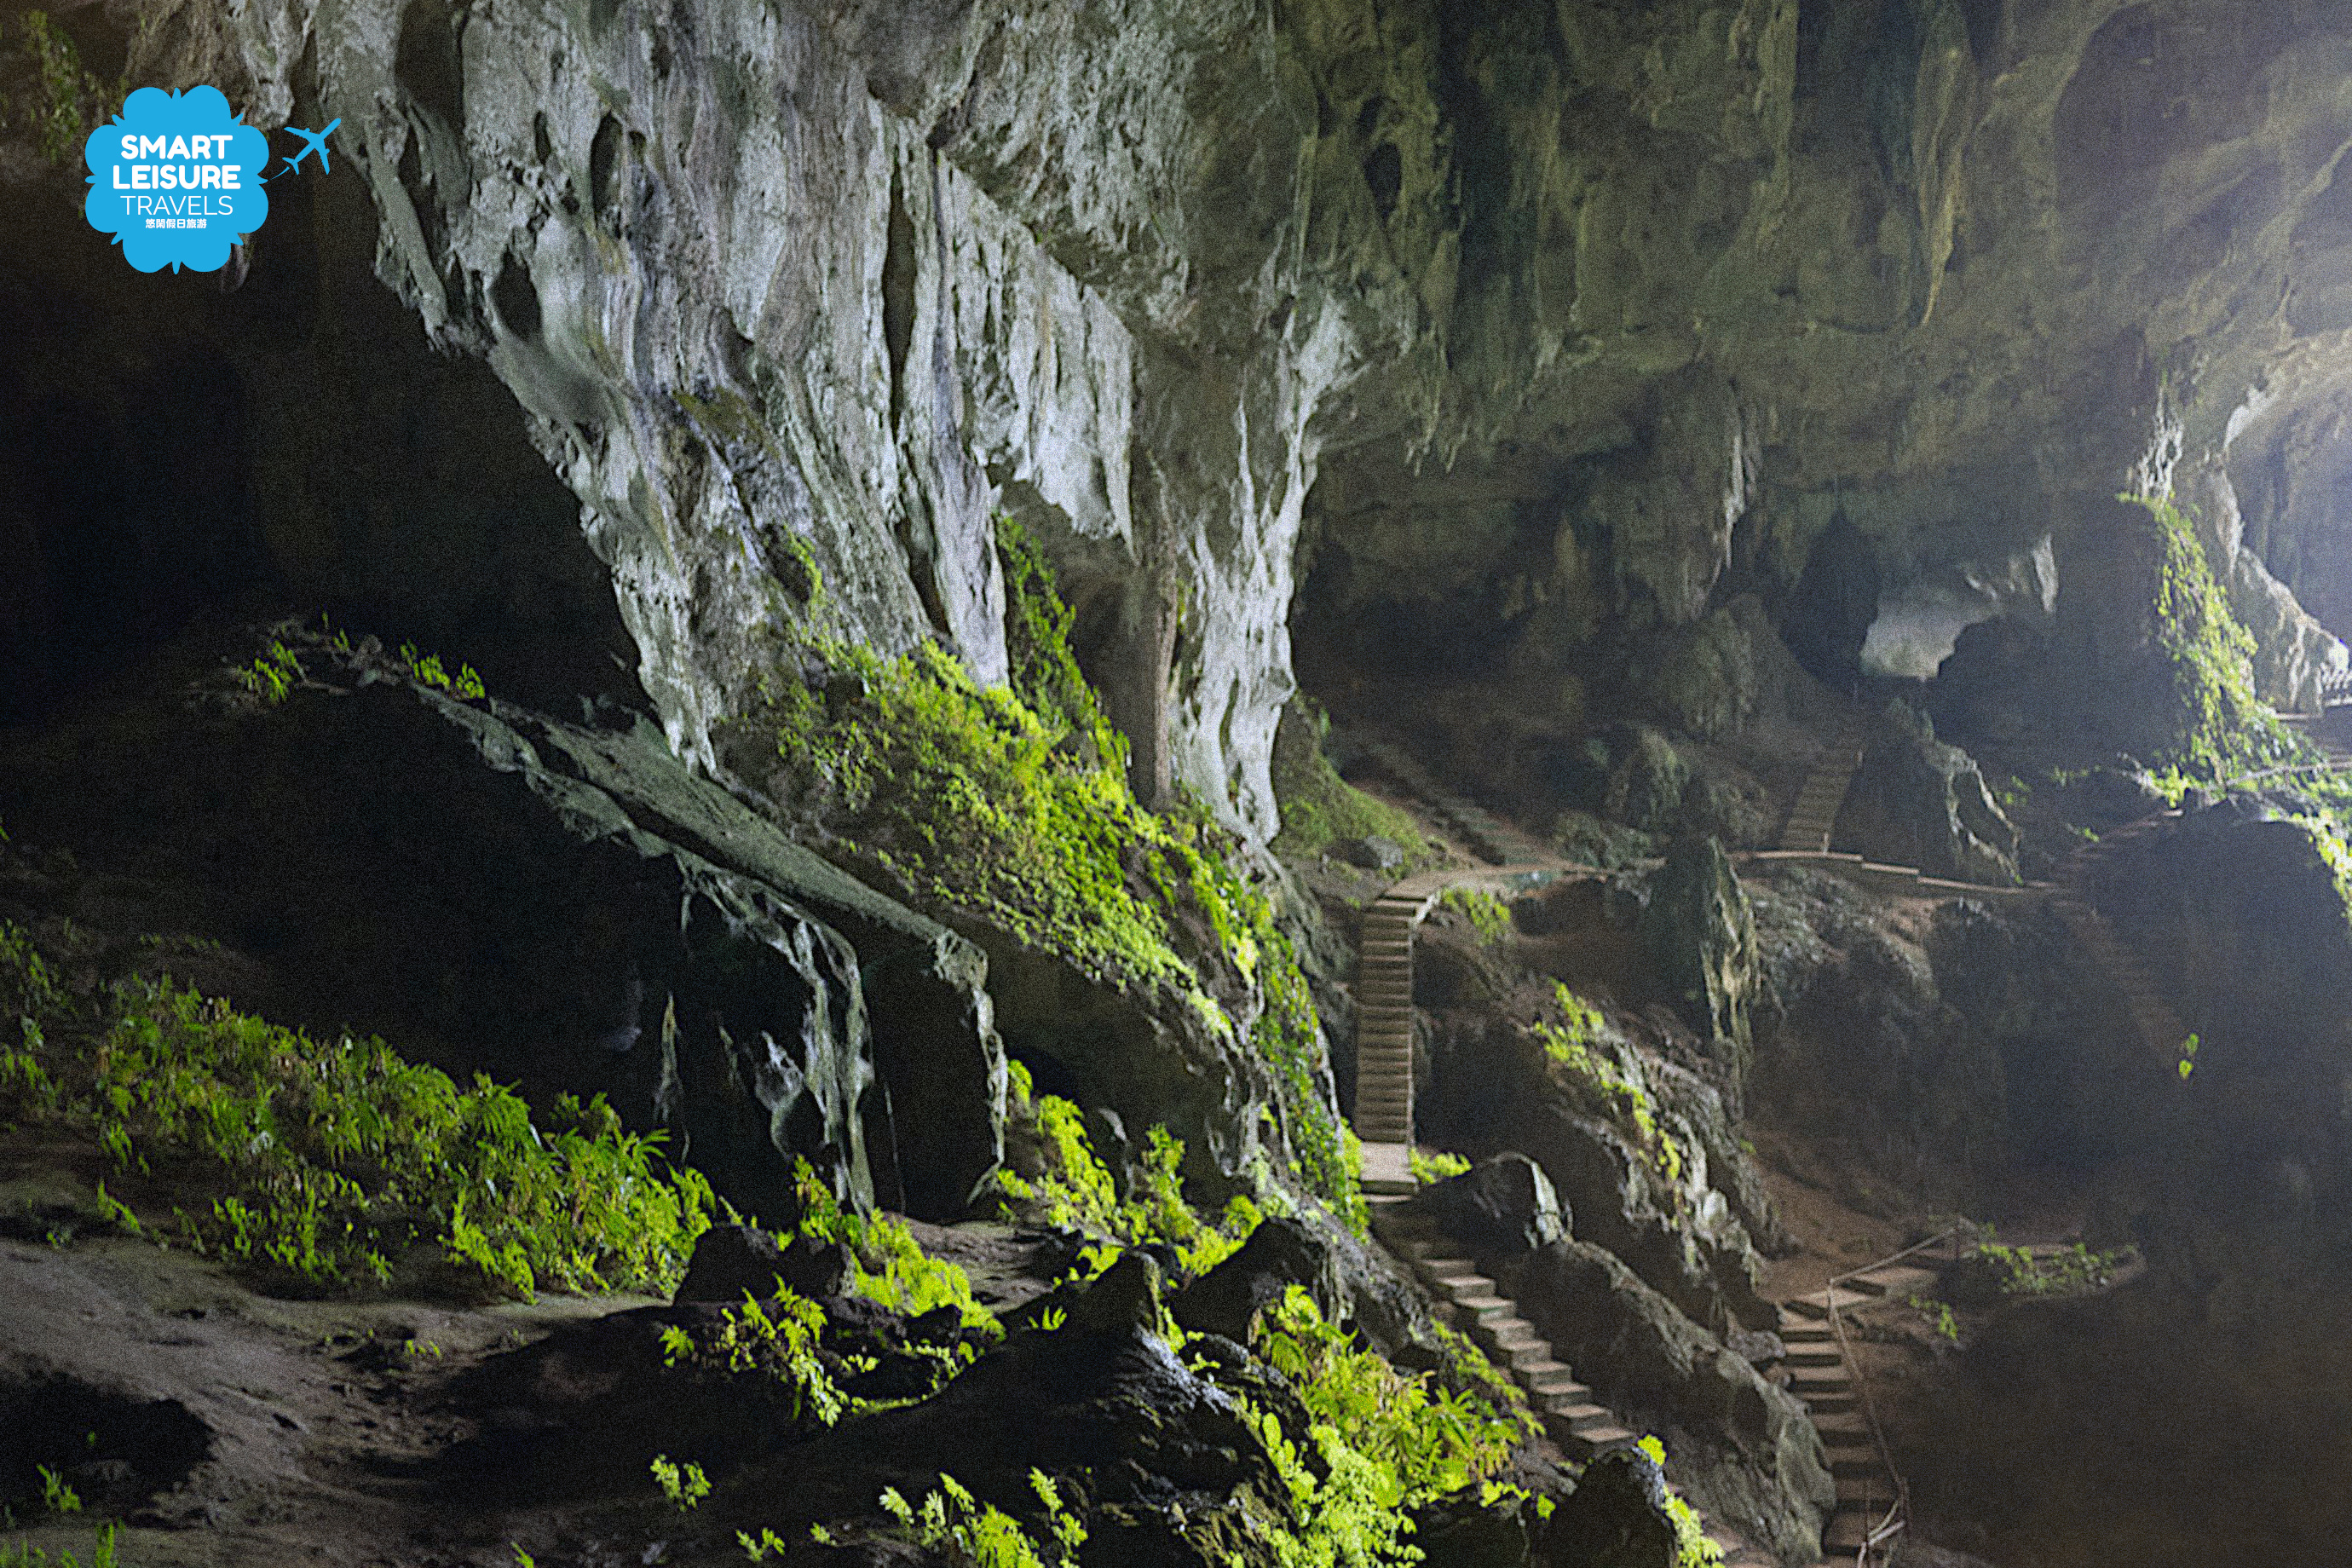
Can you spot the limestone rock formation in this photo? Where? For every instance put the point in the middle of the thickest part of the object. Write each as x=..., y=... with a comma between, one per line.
x=1647, y=1358
x=562, y=904
x=1701, y=934
x=1917, y=802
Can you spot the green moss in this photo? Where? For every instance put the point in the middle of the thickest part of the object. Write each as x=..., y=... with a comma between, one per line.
x=1318, y=807
x=323, y=1161
x=1692, y=1547
x=1076, y=1190
x=1012, y=803
x=1489, y=916
x=67, y=102
x=1575, y=1047
x=2219, y=726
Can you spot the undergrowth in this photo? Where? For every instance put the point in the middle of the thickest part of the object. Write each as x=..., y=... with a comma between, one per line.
x=1076, y=1189
x=1692, y=1547
x=1576, y=1044
x=1488, y=914
x=887, y=1263
x=325, y=1160
x=1012, y=803
x=1318, y=807
x=2220, y=727
x=67, y=102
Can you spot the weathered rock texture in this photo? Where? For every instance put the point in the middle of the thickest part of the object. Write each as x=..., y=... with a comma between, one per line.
x=1575, y=323
x=562, y=905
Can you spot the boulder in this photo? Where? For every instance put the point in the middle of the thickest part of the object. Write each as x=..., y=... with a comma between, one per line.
x=732, y=1261
x=1615, y=1518
x=1280, y=1253
x=1502, y=1206
x=1758, y=1459
x=1645, y=782
x=1917, y=802
x=1372, y=853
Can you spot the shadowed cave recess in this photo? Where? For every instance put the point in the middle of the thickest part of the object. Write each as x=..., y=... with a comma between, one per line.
x=1183, y=781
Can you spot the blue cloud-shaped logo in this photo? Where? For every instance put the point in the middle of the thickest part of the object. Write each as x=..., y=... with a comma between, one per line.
x=176, y=179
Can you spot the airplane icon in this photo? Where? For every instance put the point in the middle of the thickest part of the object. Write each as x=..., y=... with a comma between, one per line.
x=318, y=144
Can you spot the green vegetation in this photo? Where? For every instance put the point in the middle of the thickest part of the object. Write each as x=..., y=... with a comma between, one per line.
x=780, y=1344
x=68, y=103
x=427, y=671
x=23, y=1554
x=1428, y=1168
x=1076, y=1189
x=982, y=1534
x=271, y=676
x=1013, y=803
x=2220, y=727
x=684, y=1485
x=888, y=1264
x=1692, y=1548
x=1575, y=1043
x=1318, y=807
x=1488, y=915
x=1379, y=1443
x=327, y=1160
x=1939, y=1316
x=2074, y=1272
x=2188, y=1063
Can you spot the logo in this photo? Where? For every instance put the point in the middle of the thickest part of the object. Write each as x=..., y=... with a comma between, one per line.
x=176, y=180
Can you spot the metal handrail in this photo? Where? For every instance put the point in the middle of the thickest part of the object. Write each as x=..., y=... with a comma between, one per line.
x=1898, y=1509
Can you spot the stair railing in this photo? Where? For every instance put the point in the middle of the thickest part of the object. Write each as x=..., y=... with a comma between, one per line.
x=1898, y=1509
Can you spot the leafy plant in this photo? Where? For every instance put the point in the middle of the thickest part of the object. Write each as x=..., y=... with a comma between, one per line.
x=2188, y=1063
x=1076, y=1190
x=1489, y=915
x=888, y=1264
x=780, y=1342
x=68, y=102
x=23, y=1554
x=2074, y=1271
x=684, y=1485
x=1013, y=803
x=1576, y=1043
x=427, y=671
x=1692, y=1547
x=1318, y=807
x=984, y=1534
x=2219, y=726
x=271, y=676
x=1428, y=1168
x=1939, y=1316
x=1425, y=1440
x=57, y=1496
x=326, y=1159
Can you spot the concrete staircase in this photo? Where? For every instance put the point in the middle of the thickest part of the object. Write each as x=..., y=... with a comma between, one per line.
x=1815, y=814
x=1384, y=1033
x=1822, y=1377
x=1573, y=1417
x=2159, y=1026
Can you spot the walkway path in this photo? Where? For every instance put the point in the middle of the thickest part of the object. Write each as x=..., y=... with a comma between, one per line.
x=1573, y=1417
x=1870, y=1506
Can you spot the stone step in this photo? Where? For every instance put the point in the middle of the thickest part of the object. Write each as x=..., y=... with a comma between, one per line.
x=1584, y=1444
x=1813, y=1381
x=1560, y=1384
x=1856, y=1462
x=1819, y=1305
x=1531, y=1350
x=1847, y=1533
x=1828, y=1403
x=1823, y=1355
x=1517, y=1334
x=1893, y=1281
